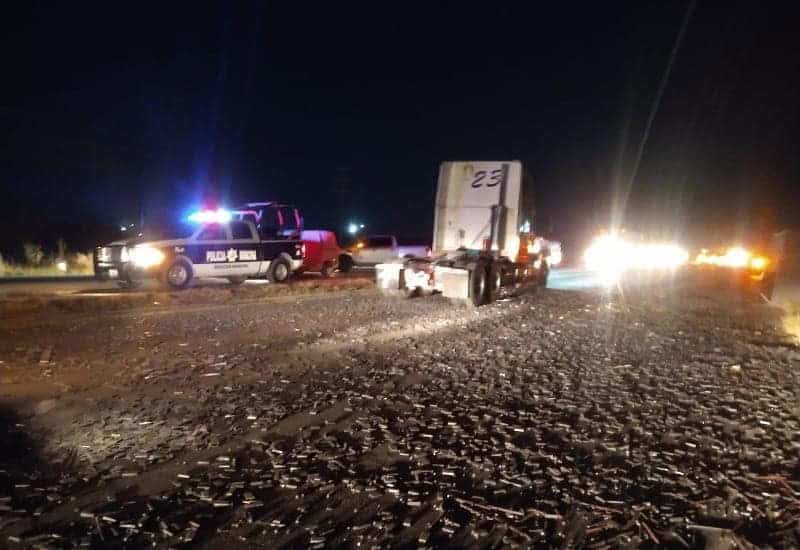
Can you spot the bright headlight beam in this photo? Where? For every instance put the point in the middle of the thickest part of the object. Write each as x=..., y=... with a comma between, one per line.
x=555, y=255
x=735, y=256
x=759, y=263
x=611, y=255
x=146, y=256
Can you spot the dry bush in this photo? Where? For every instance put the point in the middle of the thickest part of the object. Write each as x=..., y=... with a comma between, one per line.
x=34, y=254
x=81, y=263
x=61, y=249
x=39, y=264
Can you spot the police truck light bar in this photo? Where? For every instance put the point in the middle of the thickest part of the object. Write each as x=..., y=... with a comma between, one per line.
x=220, y=215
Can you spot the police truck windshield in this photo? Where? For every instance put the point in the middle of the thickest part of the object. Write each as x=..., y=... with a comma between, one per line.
x=175, y=230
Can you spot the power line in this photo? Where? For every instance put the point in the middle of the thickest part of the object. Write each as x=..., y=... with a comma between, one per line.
x=657, y=102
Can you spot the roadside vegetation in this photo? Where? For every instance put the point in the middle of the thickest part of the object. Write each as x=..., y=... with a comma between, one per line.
x=38, y=262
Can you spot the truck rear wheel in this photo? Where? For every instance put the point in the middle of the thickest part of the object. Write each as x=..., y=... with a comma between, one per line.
x=494, y=283
x=478, y=279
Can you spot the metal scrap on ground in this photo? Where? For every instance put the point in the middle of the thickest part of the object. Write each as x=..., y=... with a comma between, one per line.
x=562, y=418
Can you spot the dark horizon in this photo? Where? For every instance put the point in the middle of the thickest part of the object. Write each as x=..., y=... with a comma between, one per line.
x=347, y=111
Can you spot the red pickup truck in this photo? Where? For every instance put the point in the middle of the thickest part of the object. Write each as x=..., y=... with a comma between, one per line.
x=276, y=219
x=322, y=251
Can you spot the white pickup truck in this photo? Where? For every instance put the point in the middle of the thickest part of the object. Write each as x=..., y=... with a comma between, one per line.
x=377, y=249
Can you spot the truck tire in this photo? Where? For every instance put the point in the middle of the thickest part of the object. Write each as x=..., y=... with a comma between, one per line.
x=279, y=270
x=345, y=263
x=178, y=274
x=494, y=283
x=478, y=281
x=236, y=280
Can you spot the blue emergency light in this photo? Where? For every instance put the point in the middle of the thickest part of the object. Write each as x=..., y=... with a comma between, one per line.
x=220, y=215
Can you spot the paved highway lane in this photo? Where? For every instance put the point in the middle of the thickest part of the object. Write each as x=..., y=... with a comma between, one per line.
x=562, y=279
x=88, y=286
x=573, y=279
x=787, y=288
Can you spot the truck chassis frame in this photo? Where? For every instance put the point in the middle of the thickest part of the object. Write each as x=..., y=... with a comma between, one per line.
x=472, y=277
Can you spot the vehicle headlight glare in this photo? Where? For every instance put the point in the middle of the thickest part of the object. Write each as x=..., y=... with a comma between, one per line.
x=145, y=256
x=611, y=255
x=759, y=263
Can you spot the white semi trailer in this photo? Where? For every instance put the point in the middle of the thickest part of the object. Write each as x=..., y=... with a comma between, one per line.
x=483, y=247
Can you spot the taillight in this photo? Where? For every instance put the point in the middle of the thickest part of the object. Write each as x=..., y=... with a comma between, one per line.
x=303, y=250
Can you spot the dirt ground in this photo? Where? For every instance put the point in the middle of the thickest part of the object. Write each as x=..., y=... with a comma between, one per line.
x=649, y=417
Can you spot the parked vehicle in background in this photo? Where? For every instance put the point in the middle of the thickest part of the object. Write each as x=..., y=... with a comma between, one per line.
x=753, y=269
x=229, y=249
x=376, y=249
x=322, y=252
x=483, y=247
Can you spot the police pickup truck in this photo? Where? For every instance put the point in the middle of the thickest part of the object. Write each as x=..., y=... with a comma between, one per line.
x=230, y=249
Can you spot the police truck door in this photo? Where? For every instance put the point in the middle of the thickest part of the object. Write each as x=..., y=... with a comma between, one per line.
x=245, y=241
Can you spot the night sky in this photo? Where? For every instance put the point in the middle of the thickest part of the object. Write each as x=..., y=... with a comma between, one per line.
x=347, y=109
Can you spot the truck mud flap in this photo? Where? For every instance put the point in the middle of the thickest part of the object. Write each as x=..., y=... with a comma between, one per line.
x=453, y=283
x=389, y=277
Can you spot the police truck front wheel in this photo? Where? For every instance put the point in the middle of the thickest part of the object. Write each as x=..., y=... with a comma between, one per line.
x=178, y=274
x=279, y=270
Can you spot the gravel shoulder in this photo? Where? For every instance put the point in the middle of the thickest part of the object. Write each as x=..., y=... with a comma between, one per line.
x=647, y=418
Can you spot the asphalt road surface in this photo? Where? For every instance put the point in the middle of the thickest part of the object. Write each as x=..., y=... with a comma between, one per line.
x=565, y=279
x=89, y=285
x=657, y=416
